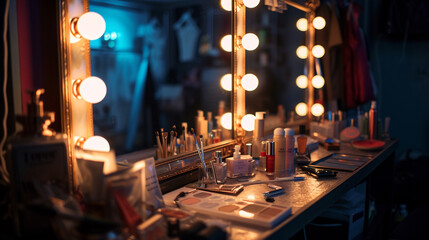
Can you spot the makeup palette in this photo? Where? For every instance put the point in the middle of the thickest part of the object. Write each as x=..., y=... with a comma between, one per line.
x=230, y=208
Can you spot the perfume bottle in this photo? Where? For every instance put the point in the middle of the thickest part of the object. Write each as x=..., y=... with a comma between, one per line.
x=220, y=167
x=240, y=165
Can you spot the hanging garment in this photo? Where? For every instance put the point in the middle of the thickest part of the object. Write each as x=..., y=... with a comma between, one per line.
x=187, y=32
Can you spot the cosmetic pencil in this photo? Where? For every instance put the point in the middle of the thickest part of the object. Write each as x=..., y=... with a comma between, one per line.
x=158, y=142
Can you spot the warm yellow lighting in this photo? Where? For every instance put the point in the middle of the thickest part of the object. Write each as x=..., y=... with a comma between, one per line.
x=226, y=82
x=90, y=25
x=226, y=42
x=248, y=122
x=245, y=214
x=226, y=5
x=302, y=52
x=250, y=41
x=318, y=51
x=302, y=81
x=319, y=23
x=226, y=121
x=318, y=81
x=96, y=143
x=302, y=24
x=91, y=89
x=317, y=109
x=250, y=3
x=249, y=82
x=301, y=109
x=73, y=39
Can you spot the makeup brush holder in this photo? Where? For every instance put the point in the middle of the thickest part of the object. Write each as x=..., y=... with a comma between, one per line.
x=206, y=175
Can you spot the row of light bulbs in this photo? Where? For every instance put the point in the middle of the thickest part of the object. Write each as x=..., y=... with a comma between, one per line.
x=90, y=26
x=317, y=81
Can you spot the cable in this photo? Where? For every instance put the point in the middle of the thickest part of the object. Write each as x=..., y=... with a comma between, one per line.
x=3, y=168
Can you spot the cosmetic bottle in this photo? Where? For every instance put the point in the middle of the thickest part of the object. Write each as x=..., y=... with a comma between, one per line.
x=280, y=154
x=198, y=122
x=209, y=122
x=270, y=164
x=302, y=155
x=290, y=152
x=350, y=133
x=262, y=164
x=240, y=165
x=372, y=121
x=249, y=149
x=258, y=134
x=220, y=167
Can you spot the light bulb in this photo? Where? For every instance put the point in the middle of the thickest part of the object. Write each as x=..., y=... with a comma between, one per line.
x=318, y=51
x=226, y=5
x=302, y=81
x=302, y=52
x=318, y=81
x=73, y=39
x=249, y=82
x=250, y=41
x=248, y=122
x=225, y=43
x=226, y=121
x=91, y=89
x=250, y=3
x=317, y=109
x=302, y=24
x=226, y=82
x=319, y=23
x=90, y=25
x=96, y=143
x=301, y=109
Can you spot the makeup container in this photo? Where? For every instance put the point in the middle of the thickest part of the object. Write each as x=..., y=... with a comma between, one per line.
x=270, y=157
x=240, y=165
x=220, y=167
x=290, y=152
x=350, y=133
x=372, y=121
x=280, y=154
x=262, y=164
x=302, y=155
x=258, y=134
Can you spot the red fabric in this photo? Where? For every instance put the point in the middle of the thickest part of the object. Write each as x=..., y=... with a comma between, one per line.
x=358, y=85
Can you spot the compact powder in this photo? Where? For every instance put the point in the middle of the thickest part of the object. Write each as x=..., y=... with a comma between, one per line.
x=253, y=208
x=190, y=201
x=270, y=212
x=209, y=205
x=228, y=208
x=202, y=195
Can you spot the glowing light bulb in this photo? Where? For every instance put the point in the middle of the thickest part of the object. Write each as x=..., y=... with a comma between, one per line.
x=248, y=122
x=318, y=51
x=249, y=82
x=302, y=81
x=318, y=81
x=226, y=42
x=91, y=25
x=226, y=5
x=226, y=121
x=91, y=89
x=317, y=109
x=226, y=82
x=302, y=52
x=301, y=109
x=319, y=23
x=250, y=41
x=96, y=143
x=73, y=39
x=250, y=3
x=302, y=24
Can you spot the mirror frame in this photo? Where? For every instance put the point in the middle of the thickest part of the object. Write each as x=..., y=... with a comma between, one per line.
x=77, y=118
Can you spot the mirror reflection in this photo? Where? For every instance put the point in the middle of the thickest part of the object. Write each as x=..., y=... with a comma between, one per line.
x=162, y=64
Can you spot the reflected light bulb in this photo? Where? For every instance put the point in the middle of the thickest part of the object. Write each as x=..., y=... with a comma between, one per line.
x=319, y=23
x=302, y=24
x=249, y=82
x=250, y=3
x=226, y=121
x=91, y=25
x=317, y=109
x=92, y=89
x=226, y=82
x=248, y=122
x=250, y=41
x=318, y=51
x=96, y=143
x=301, y=109
x=318, y=81
x=226, y=5
x=225, y=43
x=302, y=81
x=302, y=52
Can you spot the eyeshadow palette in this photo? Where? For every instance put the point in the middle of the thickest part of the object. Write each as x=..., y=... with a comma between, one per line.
x=231, y=208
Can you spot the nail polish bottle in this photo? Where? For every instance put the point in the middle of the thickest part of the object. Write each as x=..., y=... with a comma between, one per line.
x=220, y=167
x=270, y=157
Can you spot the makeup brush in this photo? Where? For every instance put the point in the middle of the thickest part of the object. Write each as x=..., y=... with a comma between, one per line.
x=158, y=142
x=183, y=137
x=200, y=153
